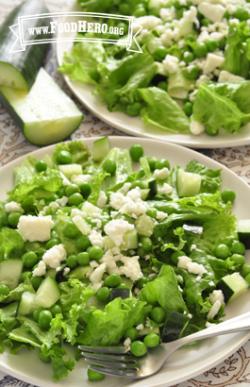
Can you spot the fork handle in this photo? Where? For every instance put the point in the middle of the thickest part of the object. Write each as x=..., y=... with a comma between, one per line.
x=236, y=324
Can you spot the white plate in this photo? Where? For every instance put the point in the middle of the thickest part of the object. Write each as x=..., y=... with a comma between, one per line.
x=134, y=126
x=185, y=363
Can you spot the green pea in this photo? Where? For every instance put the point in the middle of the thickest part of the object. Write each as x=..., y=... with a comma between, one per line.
x=75, y=199
x=72, y=261
x=133, y=109
x=52, y=242
x=158, y=314
x=241, y=14
x=136, y=152
x=140, y=10
x=152, y=212
x=247, y=278
x=103, y=294
x=36, y=282
x=4, y=290
x=44, y=319
x=238, y=247
x=188, y=57
x=200, y=50
x=132, y=333
x=41, y=166
x=95, y=253
x=71, y=189
x=113, y=280
x=228, y=196
x=71, y=231
x=29, y=259
x=83, y=258
x=160, y=53
x=238, y=259
x=162, y=163
x=211, y=45
x=212, y=131
x=82, y=243
x=152, y=340
x=56, y=309
x=192, y=72
x=138, y=348
x=146, y=244
x=152, y=163
x=222, y=251
x=13, y=218
x=85, y=189
x=36, y=314
x=94, y=376
x=64, y=157
x=188, y=108
x=26, y=276
x=3, y=219
x=245, y=269
x=109, y=166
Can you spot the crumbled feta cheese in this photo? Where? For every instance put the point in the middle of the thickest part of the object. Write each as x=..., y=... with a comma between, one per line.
x=102, y=199
x=140, y=327
x=185, y=24
x=125, y=188
x=40, y=270
x=196, y=127
x=216, y=295
x=13, y=207
x=167, y=37
x=96, y=238
x=171, y=64
x=212, y=62
x=160, y=215
x=165, y=189
x=35, y=228
x=81, y=224
x=90, y=210
x=214, y=310
x=130, y=204
x=167, y=13
x=65, y=180
x=202, y=79
x=161, y=174
x=66, y=270
x=186, y=263
x=54, y=256
x=96, y=276
x=146, y=22
x=116, y=229
x=131, y=268
x=213, y=12
x=127, y=343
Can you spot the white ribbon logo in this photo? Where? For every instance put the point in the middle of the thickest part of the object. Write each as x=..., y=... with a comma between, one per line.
x=77, y=26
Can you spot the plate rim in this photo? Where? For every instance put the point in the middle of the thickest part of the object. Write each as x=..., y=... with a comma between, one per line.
x=243, y=337
x=222, y=142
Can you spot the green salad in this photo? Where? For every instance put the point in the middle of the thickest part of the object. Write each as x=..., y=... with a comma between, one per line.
x=108, y=246
x=192, y=75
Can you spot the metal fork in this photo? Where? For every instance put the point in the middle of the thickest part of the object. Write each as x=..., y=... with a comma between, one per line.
x=118, y=361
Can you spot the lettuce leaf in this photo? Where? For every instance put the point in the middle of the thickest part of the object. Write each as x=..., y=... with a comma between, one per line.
x=211, y=178
x=162, y=111
x=108, y=326
x=217, y=112
x=11, y=243
x=164, y=291
x=77, y=149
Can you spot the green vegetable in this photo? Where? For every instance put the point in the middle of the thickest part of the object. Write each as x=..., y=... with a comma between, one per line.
x=152, y=340
x=136, y=152
x=138, y=348
x=94, y=376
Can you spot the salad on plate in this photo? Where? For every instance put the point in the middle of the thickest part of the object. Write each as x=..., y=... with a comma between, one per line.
x=107, y=246
x=192, y=75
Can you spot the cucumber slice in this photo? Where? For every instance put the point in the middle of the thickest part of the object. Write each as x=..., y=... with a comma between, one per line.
x=10, y=272
x=19, y=69
x=26, y=305
x=232, y=286
x=130, y=240
x=144, y=225
x=10, y=310
x=188, y=184
x=243, y=229
x=47, y=294
x=70, y=169
x=46, y=114
x=100, y=148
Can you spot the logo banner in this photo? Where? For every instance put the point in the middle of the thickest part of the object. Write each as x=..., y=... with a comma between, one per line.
x=77, y=26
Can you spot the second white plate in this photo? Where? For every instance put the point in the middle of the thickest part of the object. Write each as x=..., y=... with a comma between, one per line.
x=135, y=126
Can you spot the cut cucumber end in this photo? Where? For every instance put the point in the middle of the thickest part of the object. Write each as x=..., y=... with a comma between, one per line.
x=188, y=184
x=47, y=294
x=46, y=133
x=100, y=148
x=10, y=272
x=11, y=77
x=26, y=305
